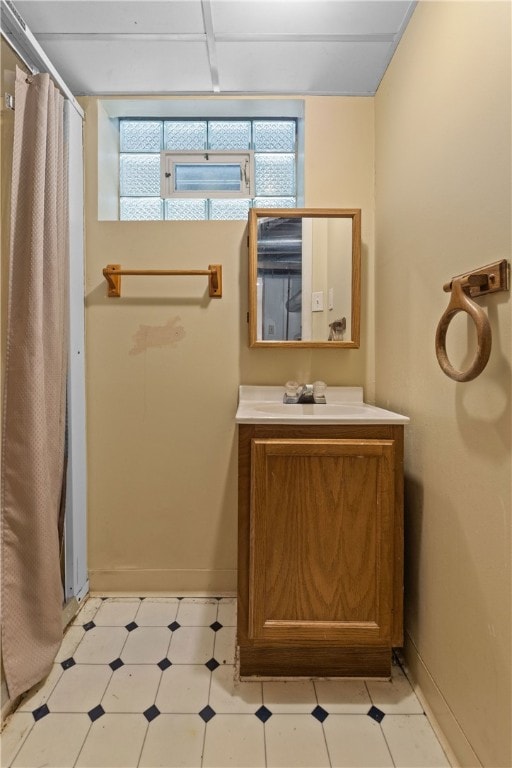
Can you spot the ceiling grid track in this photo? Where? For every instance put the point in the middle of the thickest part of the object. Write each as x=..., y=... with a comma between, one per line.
x=210, y=44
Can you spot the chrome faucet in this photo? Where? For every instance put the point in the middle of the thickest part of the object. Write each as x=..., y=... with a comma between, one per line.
x=304, y=393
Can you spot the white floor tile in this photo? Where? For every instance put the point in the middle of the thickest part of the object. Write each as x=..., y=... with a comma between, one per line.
x=225, y=645
x=230, y=695
x=70, y=642
x=14, y=734
x=227, y=612
x=146, y=645
x=395, y=697
x=101, y=645
x=356, y=741
x=173, y=740
x=157, y=612
x=80, y=688
x=116, y=612
x=54, y=741
x=184, y=689
x=191, y=645
x=88, y=610
x=234, y=740
x=132, y=688
x=196, y=612
x=412, y=742
x=114, y=741
x=39, y=694
x=290, y=696
x=343, y=696
x=295, y=740
x=234, y=736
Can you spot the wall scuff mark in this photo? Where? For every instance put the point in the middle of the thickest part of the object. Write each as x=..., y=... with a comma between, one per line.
x=166, y=335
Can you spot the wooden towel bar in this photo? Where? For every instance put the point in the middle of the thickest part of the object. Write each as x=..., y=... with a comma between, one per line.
x=113, y=272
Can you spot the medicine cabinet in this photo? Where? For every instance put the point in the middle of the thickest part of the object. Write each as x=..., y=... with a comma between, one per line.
x=304, y=277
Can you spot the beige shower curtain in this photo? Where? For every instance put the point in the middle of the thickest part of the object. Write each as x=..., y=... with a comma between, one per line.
x=34, y=387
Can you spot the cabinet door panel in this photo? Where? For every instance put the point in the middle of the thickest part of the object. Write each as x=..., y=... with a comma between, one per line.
x=321, y=544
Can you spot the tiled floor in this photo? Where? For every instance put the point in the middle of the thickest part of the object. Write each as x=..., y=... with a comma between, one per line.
x=151, y=682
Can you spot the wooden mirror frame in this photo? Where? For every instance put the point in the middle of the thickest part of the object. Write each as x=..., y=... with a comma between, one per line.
x=318, y=213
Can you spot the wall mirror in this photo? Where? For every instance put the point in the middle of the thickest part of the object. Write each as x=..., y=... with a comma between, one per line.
x=304, y=277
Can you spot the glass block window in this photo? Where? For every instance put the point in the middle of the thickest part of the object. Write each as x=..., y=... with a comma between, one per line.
x=229, y=134
x=141, y=141
x=140, y=135
x=275, y=175
x=186, y=210
x=185, y=134
x=229, y=209
x=274, y=135
x=140, y=175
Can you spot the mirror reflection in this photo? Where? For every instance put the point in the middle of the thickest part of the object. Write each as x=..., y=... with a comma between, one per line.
x=304, y=277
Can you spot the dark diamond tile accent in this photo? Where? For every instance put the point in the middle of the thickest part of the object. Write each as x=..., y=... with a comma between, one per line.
x=207, y=713
x=376, y=714
x=89, y=625
x=131, y=626
x=164, y=664
x=96, y=713
x=116, y=664
x=67, y=663
x=263, y=714
x=212, y=664
x=151, y=713
x=40, y=712
x=215, y=626
x=179, y=598
x=174, y=626
x=320, y=713
x=104, y=598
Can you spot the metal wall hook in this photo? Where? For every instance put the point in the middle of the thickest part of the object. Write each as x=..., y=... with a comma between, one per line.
x=493, y=277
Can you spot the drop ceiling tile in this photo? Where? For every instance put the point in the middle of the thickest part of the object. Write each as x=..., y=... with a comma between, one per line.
x=114, y=16
x=129, y=66
x=313, y=67
x=308, y=18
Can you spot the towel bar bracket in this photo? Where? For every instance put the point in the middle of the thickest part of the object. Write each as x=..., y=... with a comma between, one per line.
x=489, y=279
x=113, y=280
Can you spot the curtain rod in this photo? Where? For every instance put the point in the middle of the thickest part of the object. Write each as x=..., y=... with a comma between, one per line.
x=17, y=34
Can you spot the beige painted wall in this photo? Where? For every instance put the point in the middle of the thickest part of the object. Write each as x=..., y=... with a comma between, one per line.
x=443, y=206
x=161, y=432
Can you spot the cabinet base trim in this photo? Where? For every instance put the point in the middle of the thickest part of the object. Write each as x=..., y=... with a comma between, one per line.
x=321, y=662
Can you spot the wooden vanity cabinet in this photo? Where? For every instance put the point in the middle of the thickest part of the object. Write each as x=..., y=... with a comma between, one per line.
x=320, y=563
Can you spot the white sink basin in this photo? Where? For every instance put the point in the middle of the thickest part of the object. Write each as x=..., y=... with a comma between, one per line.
x=263, y=405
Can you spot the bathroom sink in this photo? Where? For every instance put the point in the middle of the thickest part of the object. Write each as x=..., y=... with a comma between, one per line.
x=263, y=405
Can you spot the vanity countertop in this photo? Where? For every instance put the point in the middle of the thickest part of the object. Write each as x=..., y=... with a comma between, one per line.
x=345, y=405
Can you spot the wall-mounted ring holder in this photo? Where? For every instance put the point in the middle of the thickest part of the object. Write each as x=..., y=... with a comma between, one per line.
x=464, y=288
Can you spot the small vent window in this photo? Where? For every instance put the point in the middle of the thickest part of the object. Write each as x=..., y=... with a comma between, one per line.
x=207, y=174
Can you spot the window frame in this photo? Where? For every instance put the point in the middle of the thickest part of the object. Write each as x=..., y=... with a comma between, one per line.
x=169, y=159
